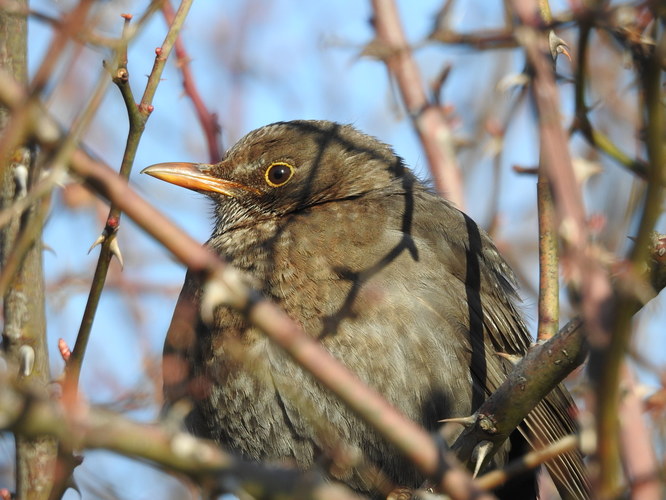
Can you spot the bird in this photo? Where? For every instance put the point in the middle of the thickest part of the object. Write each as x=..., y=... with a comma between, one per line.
x=407, y=291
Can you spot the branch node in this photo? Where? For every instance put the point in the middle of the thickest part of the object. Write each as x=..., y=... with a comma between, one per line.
x=64, y=349
x=487, y=424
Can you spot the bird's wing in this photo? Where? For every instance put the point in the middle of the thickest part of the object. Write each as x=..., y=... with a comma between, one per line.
x=495, y=324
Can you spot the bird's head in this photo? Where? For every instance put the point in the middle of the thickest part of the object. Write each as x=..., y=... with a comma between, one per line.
x=289, y=166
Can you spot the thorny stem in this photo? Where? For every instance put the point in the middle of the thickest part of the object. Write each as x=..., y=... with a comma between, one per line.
x=138, y=116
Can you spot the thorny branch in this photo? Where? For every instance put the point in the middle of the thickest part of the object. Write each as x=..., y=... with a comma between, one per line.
x=138, y=116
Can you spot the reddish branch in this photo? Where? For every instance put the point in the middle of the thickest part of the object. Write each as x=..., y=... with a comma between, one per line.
x=428, y=119
x=208, y=120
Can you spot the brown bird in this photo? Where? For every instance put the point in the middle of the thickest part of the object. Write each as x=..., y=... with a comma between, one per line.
x=400, y=286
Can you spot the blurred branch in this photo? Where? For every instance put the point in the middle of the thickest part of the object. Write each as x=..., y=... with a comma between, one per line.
x=607, y=357
x=534, y=459
x=79, y=426
x=497, y=39
x=24, y=322
x=429, y=122
x=209, y=122
x=17, y=129
x=84, y=34
x=639, y=458
x=38, y=193
x=595, y=137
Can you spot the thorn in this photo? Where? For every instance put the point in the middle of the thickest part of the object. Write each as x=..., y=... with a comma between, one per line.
x=48, y=248
x=464, y=421
x=26, y=360
x=115, y=250
x=100, y=239
x=513, y=358
x=481, y=451
x=557, y=46
x=64, y=350
x=224, y=289
x=21, y=178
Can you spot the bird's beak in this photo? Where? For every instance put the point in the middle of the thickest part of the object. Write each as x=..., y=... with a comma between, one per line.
x=195, y=176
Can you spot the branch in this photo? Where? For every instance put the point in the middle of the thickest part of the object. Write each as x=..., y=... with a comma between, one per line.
x=543, y=367
x=428, y=120
x=541, y=370
x=606, y=359
x=208, y=120
x=31, y=415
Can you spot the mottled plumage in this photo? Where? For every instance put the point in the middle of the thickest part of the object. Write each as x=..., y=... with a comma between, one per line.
x=397, y=284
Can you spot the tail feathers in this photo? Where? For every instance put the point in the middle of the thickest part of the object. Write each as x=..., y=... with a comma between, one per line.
x=549, y=422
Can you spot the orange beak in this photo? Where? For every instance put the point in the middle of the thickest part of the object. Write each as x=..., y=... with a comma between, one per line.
x=195, y=176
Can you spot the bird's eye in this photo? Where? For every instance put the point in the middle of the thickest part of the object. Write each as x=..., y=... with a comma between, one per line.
x=278, y=174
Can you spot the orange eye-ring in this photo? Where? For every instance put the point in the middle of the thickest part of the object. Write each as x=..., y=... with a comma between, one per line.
x=278, y=174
